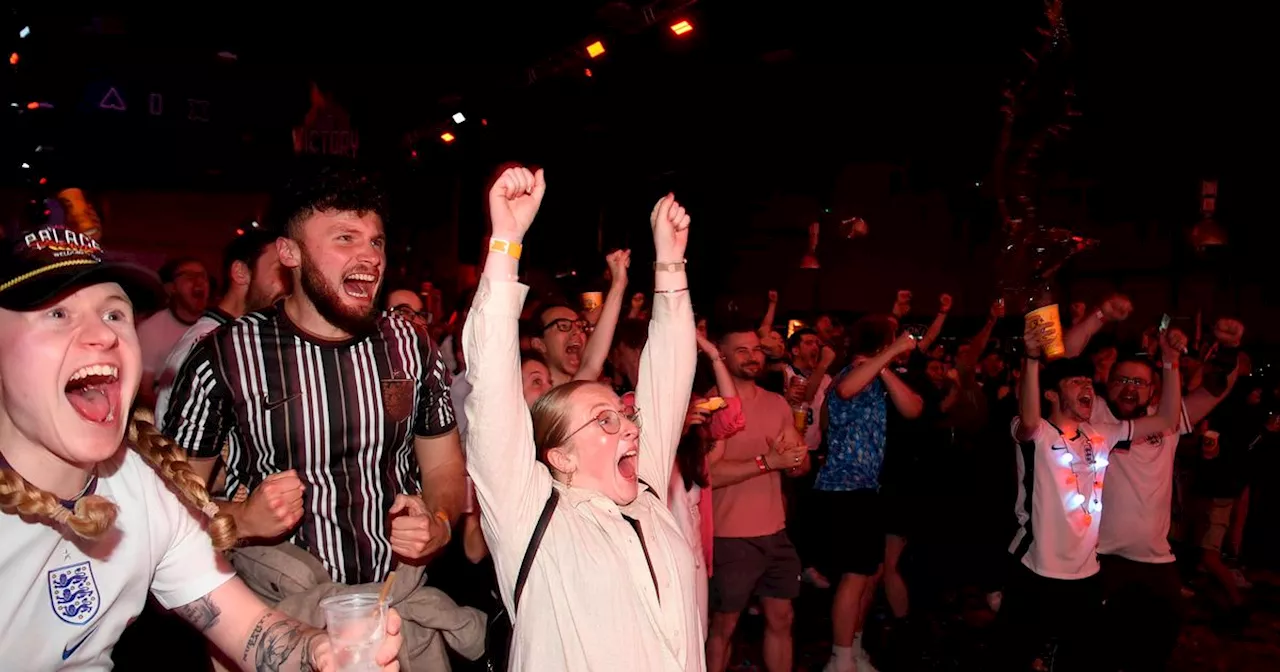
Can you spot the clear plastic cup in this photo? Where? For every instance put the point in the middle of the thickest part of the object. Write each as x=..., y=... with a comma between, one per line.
x=357, y=624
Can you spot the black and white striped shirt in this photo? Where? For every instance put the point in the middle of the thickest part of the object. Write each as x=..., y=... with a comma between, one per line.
x=343, y=414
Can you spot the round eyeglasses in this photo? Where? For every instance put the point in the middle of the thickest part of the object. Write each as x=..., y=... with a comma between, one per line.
x=610, y=421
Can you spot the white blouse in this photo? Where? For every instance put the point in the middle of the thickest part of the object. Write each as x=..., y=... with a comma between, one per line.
x=590, y=601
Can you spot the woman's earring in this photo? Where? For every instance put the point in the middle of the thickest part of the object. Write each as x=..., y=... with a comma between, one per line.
x=569, y=481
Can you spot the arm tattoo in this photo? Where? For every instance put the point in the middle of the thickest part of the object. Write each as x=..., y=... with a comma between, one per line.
x=253, y=636
x=278, y=642
x=304, y=663
x=202, y=613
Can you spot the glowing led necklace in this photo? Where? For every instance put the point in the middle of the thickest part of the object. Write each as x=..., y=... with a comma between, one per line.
x=1088, y=466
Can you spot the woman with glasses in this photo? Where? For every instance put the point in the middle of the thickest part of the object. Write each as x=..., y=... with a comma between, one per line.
x=611, y=585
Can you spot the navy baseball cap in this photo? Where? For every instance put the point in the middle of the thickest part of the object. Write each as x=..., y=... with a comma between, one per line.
x=43, y=264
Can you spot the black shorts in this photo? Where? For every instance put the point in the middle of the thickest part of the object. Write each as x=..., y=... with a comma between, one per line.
x=901, y=511
x=854, y=543
x=763, y=566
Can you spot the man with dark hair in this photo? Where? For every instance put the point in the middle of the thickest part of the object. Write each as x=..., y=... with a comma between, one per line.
x=1062, y=460
x=254, y=280
x=338, y=414
x=752, y=553
x=187, y=283
x=848, y=484
x=560, y=336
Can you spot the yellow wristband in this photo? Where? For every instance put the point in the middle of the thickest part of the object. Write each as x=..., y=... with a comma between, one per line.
x=507, y=247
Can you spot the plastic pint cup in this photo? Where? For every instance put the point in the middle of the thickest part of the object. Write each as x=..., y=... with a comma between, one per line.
x=800, y=416
x=1047, y=316
x=592, y=300
x=357, y=624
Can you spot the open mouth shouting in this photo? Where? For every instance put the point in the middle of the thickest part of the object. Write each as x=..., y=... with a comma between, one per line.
x=628, y=464
x=360, y=285
x=1086, y=402
x=573, y=350
x=94, y=391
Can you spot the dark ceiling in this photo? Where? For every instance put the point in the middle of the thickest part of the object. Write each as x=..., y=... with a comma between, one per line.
x=761, y=98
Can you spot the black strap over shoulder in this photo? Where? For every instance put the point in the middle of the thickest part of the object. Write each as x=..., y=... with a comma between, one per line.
x=534, y=542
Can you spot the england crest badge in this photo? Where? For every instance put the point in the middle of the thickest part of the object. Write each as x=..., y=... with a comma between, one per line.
x=73, y=595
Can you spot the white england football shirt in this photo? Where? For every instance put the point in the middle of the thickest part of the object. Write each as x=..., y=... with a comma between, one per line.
x=66, y=600
x=1060, y=497
x=1139, y=494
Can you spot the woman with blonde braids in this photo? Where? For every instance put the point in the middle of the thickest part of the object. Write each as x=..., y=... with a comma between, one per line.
x=89, y=526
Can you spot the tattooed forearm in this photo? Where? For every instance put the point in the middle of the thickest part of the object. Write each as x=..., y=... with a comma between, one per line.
x=273, y=641
x=202, y=613
x=253, y=636
x=304, y=662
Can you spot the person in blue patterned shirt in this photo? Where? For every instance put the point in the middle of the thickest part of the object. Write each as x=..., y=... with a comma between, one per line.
x=847, y=487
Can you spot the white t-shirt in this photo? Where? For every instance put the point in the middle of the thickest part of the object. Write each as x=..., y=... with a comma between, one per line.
x=157, y=335
x=66, y=600
x=211, y=320
x=813, y=431
x=1139, y=496
x=1060, y=498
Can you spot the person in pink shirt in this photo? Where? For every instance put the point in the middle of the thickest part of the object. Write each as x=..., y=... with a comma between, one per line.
x=752, y=554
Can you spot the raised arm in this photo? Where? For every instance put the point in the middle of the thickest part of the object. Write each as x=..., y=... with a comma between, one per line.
x=863, y=373
x=670, y=356
x=1228, y=334
x=770, y=314
x=1172, y=343
x=935, y=329
x=1029, y=390
x=510, y=485
x=814, y=381
x=597, y=350
x=906, y=400
x=725, y=387
x=1115, y=309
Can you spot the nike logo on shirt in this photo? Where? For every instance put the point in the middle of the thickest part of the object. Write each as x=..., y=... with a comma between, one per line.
x=67, y=652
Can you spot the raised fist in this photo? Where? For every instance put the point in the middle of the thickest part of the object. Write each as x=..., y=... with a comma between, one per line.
x=1228, y=332
x=944, y=303
x=618, y=261
x=514, y=199
x=670, y=225
x=1116, y=308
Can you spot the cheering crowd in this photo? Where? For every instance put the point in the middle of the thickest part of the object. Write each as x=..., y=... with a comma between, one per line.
x=628, y=485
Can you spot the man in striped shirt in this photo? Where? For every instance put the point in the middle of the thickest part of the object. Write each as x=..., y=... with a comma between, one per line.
x=337, y=415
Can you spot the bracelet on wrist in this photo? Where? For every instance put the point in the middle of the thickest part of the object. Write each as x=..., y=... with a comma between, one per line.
x=670, y=291
x=448, y=526
x=507, y=247
x=670, y=266
x=1102, y=317
x=762, y=464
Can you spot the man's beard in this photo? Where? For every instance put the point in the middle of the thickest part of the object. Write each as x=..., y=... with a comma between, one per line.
x=1139, y=410
x=327, y=302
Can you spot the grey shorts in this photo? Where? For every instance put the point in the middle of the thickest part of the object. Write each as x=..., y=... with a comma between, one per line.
x=761, y=566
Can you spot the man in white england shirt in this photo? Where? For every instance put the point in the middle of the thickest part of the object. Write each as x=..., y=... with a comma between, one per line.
x=1142, y=589
x=1062, y=461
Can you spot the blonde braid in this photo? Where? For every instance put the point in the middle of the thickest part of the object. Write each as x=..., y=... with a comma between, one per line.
x=170, y=461
x=93, y=514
